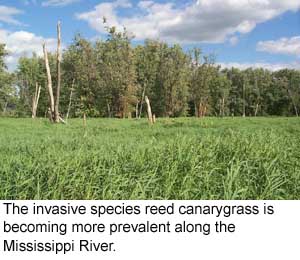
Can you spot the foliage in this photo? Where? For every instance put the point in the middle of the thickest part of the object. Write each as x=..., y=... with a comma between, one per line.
x=3, y=53
x=110, y=78
x=7, y=91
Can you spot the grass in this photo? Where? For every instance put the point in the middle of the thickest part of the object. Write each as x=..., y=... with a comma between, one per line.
x=230, y=158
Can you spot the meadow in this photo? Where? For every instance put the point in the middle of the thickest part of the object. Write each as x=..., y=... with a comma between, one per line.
x=185, y=158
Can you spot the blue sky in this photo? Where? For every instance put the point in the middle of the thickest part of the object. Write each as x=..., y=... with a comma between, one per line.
x=239, y=32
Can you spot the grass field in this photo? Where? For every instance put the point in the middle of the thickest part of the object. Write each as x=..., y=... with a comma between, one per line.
x=230, y=158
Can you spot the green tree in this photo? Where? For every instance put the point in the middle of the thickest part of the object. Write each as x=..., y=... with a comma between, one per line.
x=147, y=60
x=7, y=90
x=115, y=60
x=202, y=77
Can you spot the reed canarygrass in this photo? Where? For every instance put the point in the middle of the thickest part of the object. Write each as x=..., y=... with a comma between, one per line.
x=211, y=158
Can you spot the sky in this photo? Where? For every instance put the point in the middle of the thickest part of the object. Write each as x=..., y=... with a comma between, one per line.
x=240, y=33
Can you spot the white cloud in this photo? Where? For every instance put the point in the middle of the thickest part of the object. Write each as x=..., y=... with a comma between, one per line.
x=59, y=2
x=233, y=40
x=107, y=10
x=7, y=15
x=212, y=21
x=22, y=43
x=264, y=65
x=289, y=46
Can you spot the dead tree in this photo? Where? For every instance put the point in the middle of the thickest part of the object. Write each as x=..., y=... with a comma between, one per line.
x=53, y=110
x=223, y=106
x=154, y=119
x=58, y=57
x=84, y=120
x=256, y=109
x=35, y=99
x=49, y=85
x=149, y=112
x=137, y=110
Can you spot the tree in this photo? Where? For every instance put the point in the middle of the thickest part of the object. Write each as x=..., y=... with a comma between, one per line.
x=200, y=82
x=58, y=87
x=115, y=60
x=289, y=81
x=8, y=94
x=3, y=53
x=53, y=112
x=80, y=67
x=7, y=91
x=172, y=82
x=31, y=79
x=111, y=78
x=147, y=59
x=219, y=94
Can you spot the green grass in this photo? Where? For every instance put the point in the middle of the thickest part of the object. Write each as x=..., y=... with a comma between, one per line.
x=230, y=158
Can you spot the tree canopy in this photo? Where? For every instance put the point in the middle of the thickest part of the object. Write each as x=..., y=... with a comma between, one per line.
x=110, y=78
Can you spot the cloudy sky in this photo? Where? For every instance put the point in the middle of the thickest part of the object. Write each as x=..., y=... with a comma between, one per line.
x=240, y=33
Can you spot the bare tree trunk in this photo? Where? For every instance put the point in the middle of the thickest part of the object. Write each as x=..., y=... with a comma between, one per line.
x=256, y=109
x=50, y=115
x=49, y=84
x=154, y=119
x=33, y=114
x=142, y=100
x=204, y=110
x=60, y=119
x=38, y=98
x=200, y=110
x=108, y=110
x=84, y=120
x=70, y=99
x=53, y=111
x=35, y=100
x=57, y=117
x=149, y=112
x=296, y=110
x=223, y=107
x=137, y=110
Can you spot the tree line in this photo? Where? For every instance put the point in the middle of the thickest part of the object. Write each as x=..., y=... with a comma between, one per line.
x=112, y=78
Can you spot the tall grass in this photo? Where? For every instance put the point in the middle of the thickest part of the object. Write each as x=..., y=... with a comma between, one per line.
x=127, y=159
